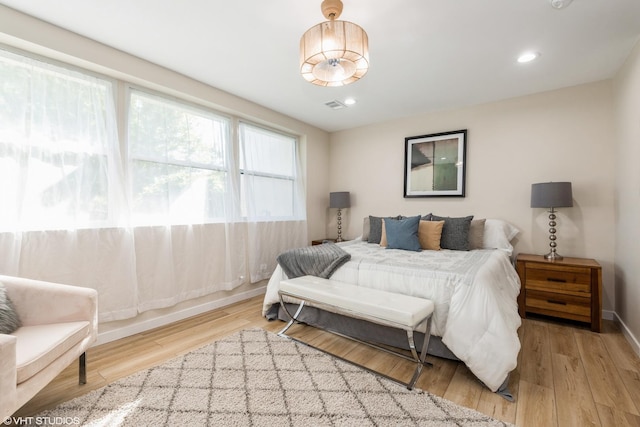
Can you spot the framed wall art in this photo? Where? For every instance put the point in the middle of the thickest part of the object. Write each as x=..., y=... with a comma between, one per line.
x=434, y=165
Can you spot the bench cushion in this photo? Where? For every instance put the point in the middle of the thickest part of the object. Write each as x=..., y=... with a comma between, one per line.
x=38, y=346
x=387, y=306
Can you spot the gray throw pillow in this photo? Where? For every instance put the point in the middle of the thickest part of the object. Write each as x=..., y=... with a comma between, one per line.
x=375, y=228
x=9, y=320
x=366, y=227
x=455, y=232
x=476, y=234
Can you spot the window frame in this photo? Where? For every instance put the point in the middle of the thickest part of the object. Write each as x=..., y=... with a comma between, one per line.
x=294, y=178
x=198, y=109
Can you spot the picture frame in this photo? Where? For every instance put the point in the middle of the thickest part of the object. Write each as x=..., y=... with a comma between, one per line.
x=435, y=164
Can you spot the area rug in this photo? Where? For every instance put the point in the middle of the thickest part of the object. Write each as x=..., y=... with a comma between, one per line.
x=257, y=378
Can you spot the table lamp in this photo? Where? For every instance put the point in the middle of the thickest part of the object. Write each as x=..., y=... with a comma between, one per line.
x=339, y=200
x=552, y=195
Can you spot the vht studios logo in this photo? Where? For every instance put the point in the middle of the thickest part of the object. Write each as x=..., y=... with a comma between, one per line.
x=41, y=421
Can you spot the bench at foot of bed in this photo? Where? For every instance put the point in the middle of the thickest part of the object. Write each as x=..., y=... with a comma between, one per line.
x=380, y=307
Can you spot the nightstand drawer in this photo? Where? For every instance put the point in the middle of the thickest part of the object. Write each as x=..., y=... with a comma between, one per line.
x=559, y=305
x=565, y=279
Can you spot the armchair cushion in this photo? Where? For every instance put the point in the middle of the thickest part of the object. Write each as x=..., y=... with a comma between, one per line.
x=40, y=345
x=9, y=320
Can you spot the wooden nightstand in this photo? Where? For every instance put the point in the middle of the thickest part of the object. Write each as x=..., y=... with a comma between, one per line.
x=569, y=289
x=321, y=241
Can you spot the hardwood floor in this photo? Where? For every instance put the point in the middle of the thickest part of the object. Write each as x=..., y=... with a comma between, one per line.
x=566, y=375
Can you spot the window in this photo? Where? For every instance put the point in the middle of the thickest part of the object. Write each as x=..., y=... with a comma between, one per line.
x=268, y=173
x=60, y=156
x=58, y=146
x=182, y=171
x=62, y=174
x=178, y=158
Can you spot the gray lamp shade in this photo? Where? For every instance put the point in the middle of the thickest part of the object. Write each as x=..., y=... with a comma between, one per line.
x=339, y=199
x=551, y=195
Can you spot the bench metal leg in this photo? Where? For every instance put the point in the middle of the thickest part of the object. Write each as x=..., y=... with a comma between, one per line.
x=293, y=318
x=423, y=354
x=412, y=345
x=82, y=362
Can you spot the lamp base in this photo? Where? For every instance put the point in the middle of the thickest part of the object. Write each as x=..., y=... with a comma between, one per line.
x=553, y=256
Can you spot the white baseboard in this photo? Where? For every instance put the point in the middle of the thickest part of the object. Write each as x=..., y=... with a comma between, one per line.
x=609, y=315
x=146, y=325
x=633, y=340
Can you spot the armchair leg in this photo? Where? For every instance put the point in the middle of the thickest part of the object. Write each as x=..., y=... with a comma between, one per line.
x=83, y=368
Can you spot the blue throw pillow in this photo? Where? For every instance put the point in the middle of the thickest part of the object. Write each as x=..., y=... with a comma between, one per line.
x=403, y=233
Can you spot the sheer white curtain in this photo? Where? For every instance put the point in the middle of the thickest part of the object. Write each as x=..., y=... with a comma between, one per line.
x=62, y=182
x=273, y=197
x=184, y=201
x=195, y=207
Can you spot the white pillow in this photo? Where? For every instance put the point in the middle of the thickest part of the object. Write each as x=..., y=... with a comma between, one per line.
x=498, y=235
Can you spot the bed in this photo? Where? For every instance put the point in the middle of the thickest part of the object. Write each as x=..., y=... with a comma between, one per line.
x=474, y=291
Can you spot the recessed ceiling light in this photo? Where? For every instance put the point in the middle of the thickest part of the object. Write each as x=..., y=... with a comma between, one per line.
x=349, y=101
x=528, y=57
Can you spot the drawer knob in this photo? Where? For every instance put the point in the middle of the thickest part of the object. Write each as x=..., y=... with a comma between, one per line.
x=553, y=279
x=554, y=301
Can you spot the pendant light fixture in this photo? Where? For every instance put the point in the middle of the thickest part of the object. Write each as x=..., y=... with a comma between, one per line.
x=334, y=53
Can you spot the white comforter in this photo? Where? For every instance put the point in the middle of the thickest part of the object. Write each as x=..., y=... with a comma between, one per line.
x=475, y=296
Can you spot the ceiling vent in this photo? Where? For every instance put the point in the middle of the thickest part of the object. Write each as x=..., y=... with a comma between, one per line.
x=560, y=4
x=335, y=105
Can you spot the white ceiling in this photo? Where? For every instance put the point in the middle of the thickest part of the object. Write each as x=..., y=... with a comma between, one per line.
x=425, y=54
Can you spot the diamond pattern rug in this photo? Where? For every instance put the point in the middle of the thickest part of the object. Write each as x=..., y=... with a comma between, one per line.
x=256, y=378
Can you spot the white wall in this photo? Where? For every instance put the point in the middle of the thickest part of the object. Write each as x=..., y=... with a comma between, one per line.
x=627, y=196
x=30, y=34
x=563, y=135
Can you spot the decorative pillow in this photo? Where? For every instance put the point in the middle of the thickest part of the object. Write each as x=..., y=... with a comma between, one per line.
x=498, y=235
x=383, y=236
x=455, y=232
x=366, y=226
x=476, y=234
x=429, y=234
x=375, y=228
x=402, y=233
x=9, y=320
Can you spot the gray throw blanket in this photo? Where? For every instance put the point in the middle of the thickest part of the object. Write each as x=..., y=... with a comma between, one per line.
x=319, y=260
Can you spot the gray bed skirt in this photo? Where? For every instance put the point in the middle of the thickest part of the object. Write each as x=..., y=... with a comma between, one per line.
x=370, y=332
x=363, y=330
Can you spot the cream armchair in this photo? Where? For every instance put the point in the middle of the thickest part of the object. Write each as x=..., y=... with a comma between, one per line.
x=59, y=322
